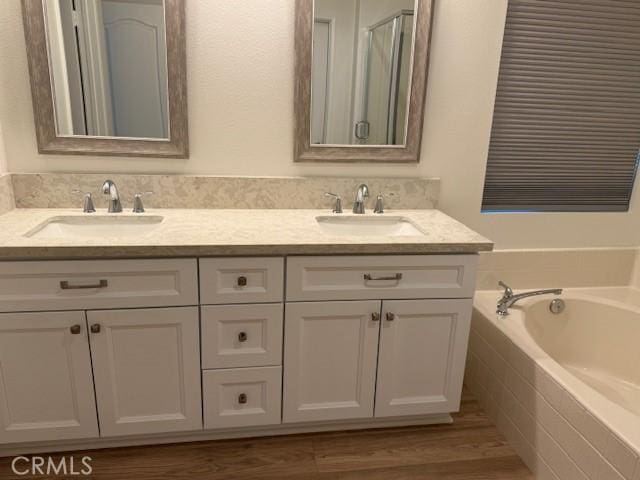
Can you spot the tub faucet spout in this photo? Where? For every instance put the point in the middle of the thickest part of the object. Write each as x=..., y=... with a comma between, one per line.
x=509, y=298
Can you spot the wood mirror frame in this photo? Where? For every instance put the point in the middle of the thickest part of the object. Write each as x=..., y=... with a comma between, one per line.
x=407, y=153
x=176, y=146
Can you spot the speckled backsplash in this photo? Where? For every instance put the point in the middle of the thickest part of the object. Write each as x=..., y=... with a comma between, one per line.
x=54, y=190
x=6, y=194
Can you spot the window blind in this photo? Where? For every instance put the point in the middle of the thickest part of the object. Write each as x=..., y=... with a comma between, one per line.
x=566, y=127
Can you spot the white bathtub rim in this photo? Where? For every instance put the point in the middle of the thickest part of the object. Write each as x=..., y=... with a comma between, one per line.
x=618, y=420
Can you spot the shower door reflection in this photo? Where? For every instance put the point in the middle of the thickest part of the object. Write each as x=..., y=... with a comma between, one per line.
x=361, y=71
x=386, y=85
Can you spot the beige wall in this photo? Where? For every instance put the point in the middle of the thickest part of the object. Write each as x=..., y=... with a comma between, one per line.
x=240, y=68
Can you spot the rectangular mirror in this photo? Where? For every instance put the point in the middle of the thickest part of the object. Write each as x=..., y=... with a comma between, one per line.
x=108, y=76
x=361, y=69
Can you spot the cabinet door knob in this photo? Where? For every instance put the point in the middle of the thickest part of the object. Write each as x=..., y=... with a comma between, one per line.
x=242, y=336
x=242, y=398
x=75, y=329
x=242, y=281
x=95, y=328
x=391, y=317
x=375, y=317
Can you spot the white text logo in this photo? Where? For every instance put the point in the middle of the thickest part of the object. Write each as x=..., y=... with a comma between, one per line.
x=51, y=466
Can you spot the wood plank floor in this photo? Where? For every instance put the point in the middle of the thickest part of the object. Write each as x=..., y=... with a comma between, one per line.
x=470, y=449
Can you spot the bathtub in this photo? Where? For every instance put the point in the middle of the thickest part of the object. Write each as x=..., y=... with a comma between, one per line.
x=564, y=388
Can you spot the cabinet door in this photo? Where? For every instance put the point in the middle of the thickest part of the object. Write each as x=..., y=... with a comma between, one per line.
x=46, y=389
x=146, y=367
x=330, y=360
x=423, y=346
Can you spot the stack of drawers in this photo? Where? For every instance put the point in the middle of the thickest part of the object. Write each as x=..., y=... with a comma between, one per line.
x=241, y=327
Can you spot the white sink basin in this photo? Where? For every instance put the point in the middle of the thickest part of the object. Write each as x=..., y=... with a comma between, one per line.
x=369, y=226
x=95, y=227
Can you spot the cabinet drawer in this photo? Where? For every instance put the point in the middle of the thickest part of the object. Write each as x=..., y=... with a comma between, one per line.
x=380, y=277
x=243, y=397
x=241, y=335
x=95, y=284
x=241, y=280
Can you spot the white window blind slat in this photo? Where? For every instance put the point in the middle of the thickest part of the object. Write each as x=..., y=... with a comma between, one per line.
x=566, y=128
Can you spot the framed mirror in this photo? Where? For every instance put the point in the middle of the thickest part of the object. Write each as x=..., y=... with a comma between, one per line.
x=108, y=77
x=361, y=77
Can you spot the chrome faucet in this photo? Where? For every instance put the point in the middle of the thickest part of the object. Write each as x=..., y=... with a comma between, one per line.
x=109, y=188
x=509, y=298
x=361, y=194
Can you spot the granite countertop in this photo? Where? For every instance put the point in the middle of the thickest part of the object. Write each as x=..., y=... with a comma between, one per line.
x=191, y=233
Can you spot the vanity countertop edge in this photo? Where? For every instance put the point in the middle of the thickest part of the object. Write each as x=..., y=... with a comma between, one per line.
x=211, y=232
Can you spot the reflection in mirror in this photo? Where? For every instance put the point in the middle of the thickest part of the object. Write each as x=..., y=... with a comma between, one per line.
x=361, y=71
x=108, y=67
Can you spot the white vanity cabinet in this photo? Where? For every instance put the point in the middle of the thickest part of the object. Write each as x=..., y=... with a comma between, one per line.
x=381, y=357
x=88, y=373
x=241, y=324
x=406, y=357
x=119, y=351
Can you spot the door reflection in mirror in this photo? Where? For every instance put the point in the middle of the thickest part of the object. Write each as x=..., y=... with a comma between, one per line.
x=361, y=71
x=108, y=64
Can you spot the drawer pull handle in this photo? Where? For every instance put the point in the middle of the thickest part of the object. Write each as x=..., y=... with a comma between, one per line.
x=242, y=281
x=75, y=329
x=64, y=285
x=368, y=278
x=95, y=328
x=391, y=317
x=242, y=337
x=375, y=317
x=242, y=398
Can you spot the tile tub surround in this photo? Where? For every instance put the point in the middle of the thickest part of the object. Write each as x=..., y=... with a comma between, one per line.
x=234, y=232
x=54, y=190
x=554, y=433
x=559, y=268
x=6, y=194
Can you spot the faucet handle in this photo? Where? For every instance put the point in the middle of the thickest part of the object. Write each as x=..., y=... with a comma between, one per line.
x=87, y=204
x=138, y=206
x=379, y=207
x=338, y=205
x=508, y=292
